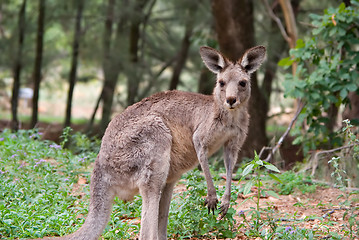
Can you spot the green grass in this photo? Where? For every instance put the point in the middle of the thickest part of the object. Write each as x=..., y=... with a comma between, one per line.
x=38, y=196
x=36, y=181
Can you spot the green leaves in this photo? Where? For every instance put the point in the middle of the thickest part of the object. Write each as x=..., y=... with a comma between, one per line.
x=35, y=184
x=327, y=69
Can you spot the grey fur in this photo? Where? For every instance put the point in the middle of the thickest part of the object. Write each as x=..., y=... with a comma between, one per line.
x=152, y=143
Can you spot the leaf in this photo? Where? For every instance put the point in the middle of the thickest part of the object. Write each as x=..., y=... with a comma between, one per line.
x=343, y=93
x=300, y=43
x=285, y=62
x=272, y=168
x=273, y=194
x=247, y=170
x=275, y=177
x=247, y=187
x=351, y=87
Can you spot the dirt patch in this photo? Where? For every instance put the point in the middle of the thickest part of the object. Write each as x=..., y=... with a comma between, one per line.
x=319, y=211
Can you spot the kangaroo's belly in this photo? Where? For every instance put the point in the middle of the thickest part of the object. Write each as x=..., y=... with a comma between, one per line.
x=183, y=154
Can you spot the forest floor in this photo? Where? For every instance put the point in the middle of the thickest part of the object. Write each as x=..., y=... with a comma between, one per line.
x=320, y=211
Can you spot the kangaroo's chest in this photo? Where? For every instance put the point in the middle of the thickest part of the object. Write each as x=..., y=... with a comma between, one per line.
x=220, y=137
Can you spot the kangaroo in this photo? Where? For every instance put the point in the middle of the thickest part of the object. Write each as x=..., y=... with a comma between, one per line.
x=152, y=143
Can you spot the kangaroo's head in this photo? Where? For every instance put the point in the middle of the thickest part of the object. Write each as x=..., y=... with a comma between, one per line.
x=233, y=85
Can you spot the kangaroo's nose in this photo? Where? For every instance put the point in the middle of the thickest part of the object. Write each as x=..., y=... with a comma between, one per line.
x=231, y=100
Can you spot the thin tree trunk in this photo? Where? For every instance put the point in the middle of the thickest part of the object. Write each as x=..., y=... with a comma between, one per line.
x=74, y=61
x=38, y=62
x=111, y=64
x=92, y=119
x=182, y=57
x=291, y=26
x=18, y=67
x=135, y=36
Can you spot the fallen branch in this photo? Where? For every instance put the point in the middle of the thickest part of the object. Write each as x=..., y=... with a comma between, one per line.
x=334, y=185
x=313, y=163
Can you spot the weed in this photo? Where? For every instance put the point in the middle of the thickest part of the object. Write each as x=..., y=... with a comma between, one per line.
x=188, y=217
x=291, y=181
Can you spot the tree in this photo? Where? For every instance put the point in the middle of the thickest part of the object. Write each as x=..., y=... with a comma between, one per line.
x=234, y=23
x=74, y=60
x=184, y=48
x=38, y=62
x=18, y=66
x=325, y=75
x=111, y=64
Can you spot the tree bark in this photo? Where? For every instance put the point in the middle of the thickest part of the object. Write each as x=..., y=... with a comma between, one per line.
x=110, y=73
x=291, y=26
x=206, y=82
x=181, y=57
x=74, y=61
x=133, y=77
x=235, y=33
x=38, y=62
x=18, y=67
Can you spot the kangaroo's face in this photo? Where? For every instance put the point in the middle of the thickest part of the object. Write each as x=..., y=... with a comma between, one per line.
x=233, y=85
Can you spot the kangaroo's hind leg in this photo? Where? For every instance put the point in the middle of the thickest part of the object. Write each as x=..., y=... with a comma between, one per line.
x=151, y=196
x=154, y=151
x=164, y=209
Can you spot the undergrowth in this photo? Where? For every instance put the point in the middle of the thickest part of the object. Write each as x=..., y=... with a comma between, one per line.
x=44, y=191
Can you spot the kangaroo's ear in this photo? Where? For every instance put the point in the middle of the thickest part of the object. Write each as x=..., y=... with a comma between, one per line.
x=213, y=59
x=253, y=58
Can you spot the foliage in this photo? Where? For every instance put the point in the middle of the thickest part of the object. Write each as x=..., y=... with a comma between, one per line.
x=256, y=228
x=37, y=187
x=327, y=69
x=44, y=192
x=291, y=181
x=341, y=179
x=188, y=217
x=44, y=187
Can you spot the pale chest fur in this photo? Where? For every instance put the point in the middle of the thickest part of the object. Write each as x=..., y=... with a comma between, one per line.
x=232, y=129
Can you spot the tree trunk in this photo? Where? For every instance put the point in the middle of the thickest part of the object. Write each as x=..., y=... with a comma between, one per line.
x=206, y=82
x=108, y=82
x=38, y=62
x=181, y=57
x=291, y=26
x=18, y=67
x=133, y=76
x=74, y=60
x=235, y=32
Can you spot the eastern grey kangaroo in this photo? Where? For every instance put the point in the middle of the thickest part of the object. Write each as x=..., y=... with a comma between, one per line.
x=152, y=143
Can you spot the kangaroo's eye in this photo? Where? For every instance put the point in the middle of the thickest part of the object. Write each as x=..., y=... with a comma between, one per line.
x=242, y=83
x=221, y=83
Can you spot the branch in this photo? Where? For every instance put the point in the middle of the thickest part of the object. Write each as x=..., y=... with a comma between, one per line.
x=315, y=159
x=285, y=134
x=278, y=21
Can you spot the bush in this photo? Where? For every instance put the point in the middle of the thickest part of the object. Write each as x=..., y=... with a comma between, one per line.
x=327, y=71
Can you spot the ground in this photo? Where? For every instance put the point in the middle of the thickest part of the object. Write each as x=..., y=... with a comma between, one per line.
x=320, y=211
x=291, y=210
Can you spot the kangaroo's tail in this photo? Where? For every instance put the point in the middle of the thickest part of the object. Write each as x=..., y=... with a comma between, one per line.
x=99, y=210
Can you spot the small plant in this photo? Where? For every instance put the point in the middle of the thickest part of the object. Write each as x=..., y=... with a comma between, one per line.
x=351, y=211
x=257, y=227
x=291, y=181
x=188, y=217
